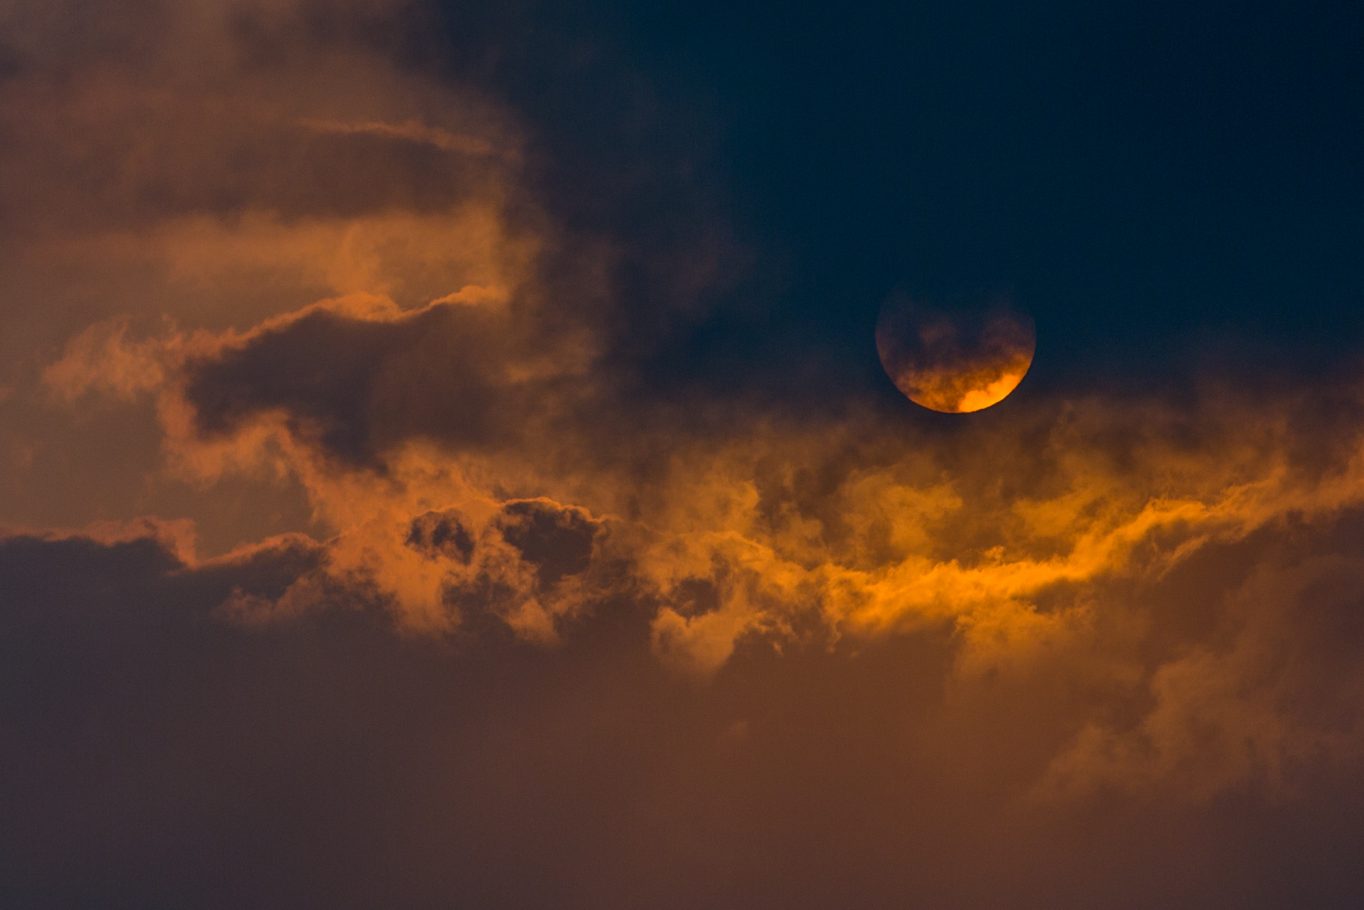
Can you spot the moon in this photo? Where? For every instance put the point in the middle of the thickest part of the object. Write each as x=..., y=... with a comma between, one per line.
x=956, y=360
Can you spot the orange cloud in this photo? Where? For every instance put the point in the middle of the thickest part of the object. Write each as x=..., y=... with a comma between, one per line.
x=372, y=310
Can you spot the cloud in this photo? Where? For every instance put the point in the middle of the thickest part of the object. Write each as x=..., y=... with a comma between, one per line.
x=535, y=575
x=103, y=359
x=157, y=742
x=410, y=131
x=442, y=535
x=224, y=108
x=1269, y=697
x=472, y=473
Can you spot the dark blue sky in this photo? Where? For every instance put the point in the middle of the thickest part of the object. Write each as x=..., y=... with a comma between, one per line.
x=1170, y=188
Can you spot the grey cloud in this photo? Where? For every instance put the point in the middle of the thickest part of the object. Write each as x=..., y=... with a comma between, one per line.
x=356, y=387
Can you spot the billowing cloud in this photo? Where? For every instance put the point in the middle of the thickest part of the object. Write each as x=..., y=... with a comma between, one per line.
x=1076, y=538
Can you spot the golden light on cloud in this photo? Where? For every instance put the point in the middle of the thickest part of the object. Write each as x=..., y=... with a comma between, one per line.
x=954, y=362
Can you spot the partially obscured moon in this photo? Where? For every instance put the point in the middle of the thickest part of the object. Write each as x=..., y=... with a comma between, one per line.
x=955, y=359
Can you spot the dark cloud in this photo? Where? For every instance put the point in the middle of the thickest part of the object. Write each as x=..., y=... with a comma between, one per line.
x=556, y=540
x=358, y=387
x=442, y=534
x=159, y=754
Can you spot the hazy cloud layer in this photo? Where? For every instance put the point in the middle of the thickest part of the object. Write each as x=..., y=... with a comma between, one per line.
x=158, y=743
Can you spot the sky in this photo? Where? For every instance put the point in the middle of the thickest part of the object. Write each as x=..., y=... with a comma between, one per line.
x=445, y=459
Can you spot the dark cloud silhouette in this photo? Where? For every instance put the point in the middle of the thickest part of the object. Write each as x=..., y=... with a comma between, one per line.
x=159, y=752
x=556, y=540
x=357, y=387
x=442, y=534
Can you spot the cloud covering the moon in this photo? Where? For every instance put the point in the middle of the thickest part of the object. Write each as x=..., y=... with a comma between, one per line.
x=954, y=362
x=453, y=598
